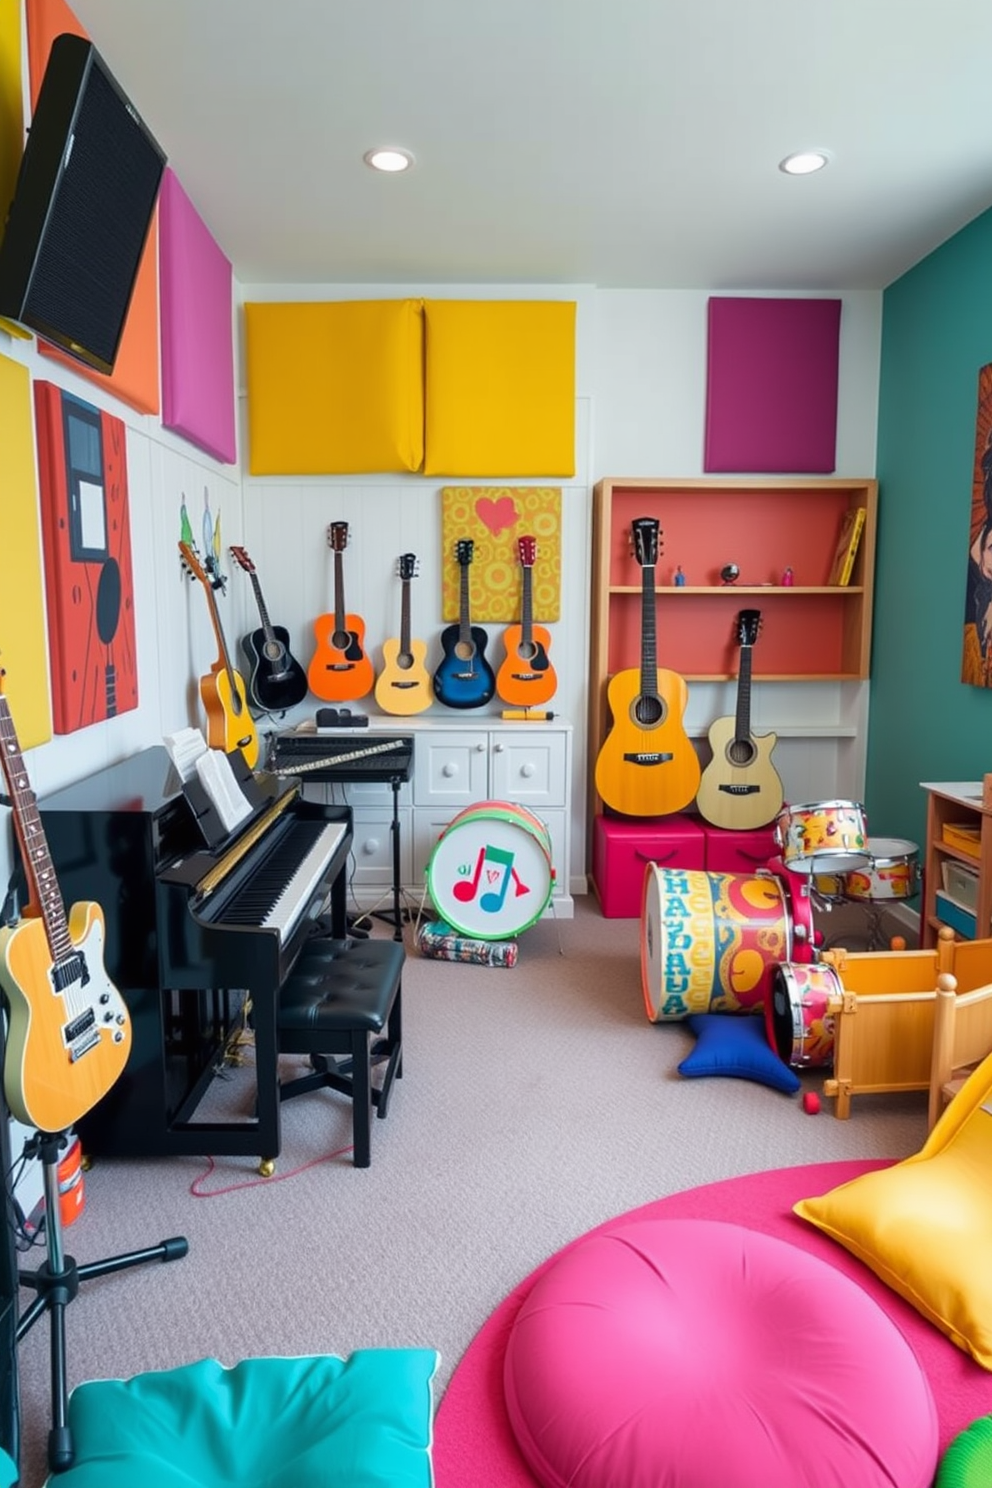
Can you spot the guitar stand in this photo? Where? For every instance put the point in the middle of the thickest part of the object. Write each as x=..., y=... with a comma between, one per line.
x=57, y=1281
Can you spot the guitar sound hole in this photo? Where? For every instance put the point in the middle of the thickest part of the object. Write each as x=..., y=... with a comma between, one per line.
x=741, y=752
x=648, y=711
x=527, y=650
x=404, y=661
x=341, y=640
x=273, y=651
x=464, y=650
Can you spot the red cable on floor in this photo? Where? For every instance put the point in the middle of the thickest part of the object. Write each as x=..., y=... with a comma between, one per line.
x=216, y=1193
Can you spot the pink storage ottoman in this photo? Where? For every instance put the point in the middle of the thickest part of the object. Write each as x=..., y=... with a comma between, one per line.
x=739, y=852
x=623, y=847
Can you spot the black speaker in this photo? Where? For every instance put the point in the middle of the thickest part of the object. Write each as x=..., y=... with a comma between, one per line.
x=81, y=208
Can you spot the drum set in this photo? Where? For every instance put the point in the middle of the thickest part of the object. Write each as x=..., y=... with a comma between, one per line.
x=743, y=943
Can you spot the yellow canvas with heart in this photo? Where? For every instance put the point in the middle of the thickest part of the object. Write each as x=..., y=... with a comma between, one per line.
x=494, y=519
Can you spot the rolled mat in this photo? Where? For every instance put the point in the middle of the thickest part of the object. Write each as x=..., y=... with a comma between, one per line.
x=438, y=941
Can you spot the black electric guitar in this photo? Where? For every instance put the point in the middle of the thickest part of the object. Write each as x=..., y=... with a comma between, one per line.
x=276, y=680
x=464, y=678
x=740, y=787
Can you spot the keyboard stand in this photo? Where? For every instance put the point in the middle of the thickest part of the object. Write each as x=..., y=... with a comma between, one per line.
x=396, y=915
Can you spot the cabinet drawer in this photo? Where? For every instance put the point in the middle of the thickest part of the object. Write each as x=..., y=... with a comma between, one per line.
x=451, y=769
x=529, y=769
x=373, y=847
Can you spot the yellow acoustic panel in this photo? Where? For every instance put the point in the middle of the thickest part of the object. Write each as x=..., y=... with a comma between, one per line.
x=22, y=611
x=500, y=387
x=335, y=388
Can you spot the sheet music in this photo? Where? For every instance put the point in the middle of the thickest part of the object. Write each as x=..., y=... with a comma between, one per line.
x=185, y=748
x=217, y=778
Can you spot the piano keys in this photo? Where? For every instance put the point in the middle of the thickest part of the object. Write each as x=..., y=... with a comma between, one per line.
x=200, y=923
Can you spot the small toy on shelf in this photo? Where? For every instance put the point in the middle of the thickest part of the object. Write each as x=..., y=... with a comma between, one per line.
x=788, y=578
x=730, y=573
x=679, y=578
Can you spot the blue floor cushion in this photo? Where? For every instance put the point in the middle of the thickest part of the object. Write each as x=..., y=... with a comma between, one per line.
x=737, y=1047
x=360, y=1422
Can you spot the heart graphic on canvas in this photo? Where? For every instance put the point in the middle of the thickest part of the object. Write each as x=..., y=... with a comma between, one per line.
x=495, y=515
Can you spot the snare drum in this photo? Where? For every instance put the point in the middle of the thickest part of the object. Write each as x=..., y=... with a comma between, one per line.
x=490, y=874
x=823, y=836
x=708, y=939
x=800, y=1028
x=892, y=873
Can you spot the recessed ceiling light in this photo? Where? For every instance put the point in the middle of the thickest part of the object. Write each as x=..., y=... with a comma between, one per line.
x=804, y=162
x=388, y=160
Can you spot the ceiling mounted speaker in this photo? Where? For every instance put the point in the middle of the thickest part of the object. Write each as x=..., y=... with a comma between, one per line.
x=81, y=209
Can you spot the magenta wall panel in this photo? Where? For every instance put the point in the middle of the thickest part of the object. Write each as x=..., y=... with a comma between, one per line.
x=771, y=385
x=197, y=336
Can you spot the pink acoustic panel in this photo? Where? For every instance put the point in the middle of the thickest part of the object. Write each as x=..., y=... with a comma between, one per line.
x=197, y=340
x=771, y=385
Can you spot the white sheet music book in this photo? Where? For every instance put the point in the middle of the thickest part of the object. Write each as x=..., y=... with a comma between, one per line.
x=185, y=748
x=218, y=780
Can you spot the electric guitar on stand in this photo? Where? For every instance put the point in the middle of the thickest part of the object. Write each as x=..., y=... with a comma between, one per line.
x=740, y=787
x=464, y=678
x=526, y=677
x=647, y=765
x=70, y=1034
x=230, y=725
x=276, y=681
x=404, y=685
x=339, y=671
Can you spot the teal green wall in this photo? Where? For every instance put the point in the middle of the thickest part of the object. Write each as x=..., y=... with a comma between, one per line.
x=925, y=724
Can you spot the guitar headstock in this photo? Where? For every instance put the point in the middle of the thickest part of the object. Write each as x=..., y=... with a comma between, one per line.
x=240, y=556
x=406, y=566
x=337, y=536
x=646, y=534
x=192, y=565
x=527, y=550
x=464, y=551
x=748, y=626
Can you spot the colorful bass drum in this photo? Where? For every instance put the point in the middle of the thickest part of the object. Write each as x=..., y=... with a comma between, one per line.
x=798, y=1020
x=709, y=940
x=490, y=875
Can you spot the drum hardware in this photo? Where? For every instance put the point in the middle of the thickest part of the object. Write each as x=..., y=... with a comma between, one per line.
x=891, y=875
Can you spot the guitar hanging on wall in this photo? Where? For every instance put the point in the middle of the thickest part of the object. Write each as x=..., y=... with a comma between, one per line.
x=740, y=787
x=647, y=765
x=230, y=725
x=339, y=671
x=526, y=677
x=404, y=686
x=464, y=678
x=276, y=680
x=70, y=1033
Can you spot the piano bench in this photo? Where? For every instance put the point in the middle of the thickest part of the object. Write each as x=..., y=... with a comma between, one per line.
x=344, y=998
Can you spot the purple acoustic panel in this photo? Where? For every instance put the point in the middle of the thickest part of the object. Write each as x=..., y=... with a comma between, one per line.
x=197, y=338
x=771, y=385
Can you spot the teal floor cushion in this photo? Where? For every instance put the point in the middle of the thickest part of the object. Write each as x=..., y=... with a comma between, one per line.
x=325, y=1422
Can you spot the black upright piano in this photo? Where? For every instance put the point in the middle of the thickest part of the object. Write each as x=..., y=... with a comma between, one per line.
x=200, y=923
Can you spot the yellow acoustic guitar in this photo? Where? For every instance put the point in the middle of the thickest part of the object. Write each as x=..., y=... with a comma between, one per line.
x=230, y=725
x=70, y=1034
x=740, y=787
x=647, y=765
x=404, y=684
x=526, y=677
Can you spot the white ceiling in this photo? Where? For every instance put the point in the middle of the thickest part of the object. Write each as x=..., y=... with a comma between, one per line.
x=611, y=142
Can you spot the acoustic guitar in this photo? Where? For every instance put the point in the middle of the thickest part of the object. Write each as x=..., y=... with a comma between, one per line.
x=526, y=677
x=740, y=787
x=69, y=1034
x=339, y=670
x=404, y=684
x=464, y=678
x=230, y=725
x=276, y=681
x=647, y=765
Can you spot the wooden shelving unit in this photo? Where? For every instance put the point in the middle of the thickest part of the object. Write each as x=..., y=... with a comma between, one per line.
x=951, y=804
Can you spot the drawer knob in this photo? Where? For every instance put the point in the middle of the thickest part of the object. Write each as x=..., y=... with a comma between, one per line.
x=527, y=770
x=450, y=769
x=370, y=845
x=480, y=748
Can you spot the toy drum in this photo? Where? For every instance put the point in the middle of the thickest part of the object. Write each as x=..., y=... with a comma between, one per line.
x=708, y=940
x=823, y=836
x=799, y=1024
x=892, y=873
x=490, y=874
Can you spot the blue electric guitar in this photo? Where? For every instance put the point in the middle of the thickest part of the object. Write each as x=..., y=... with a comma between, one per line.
x=464, y=679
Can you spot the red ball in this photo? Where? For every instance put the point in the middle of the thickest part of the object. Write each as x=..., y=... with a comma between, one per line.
x=811, y=1103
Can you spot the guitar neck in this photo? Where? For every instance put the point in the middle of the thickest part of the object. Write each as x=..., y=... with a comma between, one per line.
x=43, y=886
x=223, y=658
x=405, y=618
x=649, y=652
x=464, y=617
x=742, y=726
x=526, y=615
x=339, y=605
x=262, y=611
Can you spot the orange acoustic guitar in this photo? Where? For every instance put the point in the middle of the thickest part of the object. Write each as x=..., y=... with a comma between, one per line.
x=230, y=725
x=647, y=765
x=70, y=1033
x=339, y=670
x=404, y=684
x=526, y=677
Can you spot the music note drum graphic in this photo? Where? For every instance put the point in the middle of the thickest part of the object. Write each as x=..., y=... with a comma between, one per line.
x=490, y=875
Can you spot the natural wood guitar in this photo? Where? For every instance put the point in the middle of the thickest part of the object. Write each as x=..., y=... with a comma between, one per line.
x=230, y=725
x=647, y=766
x=70, y=1033
x=339, y=671
x=526, y=677
x=404, y=684
x=276, y=681
x=740, y=787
